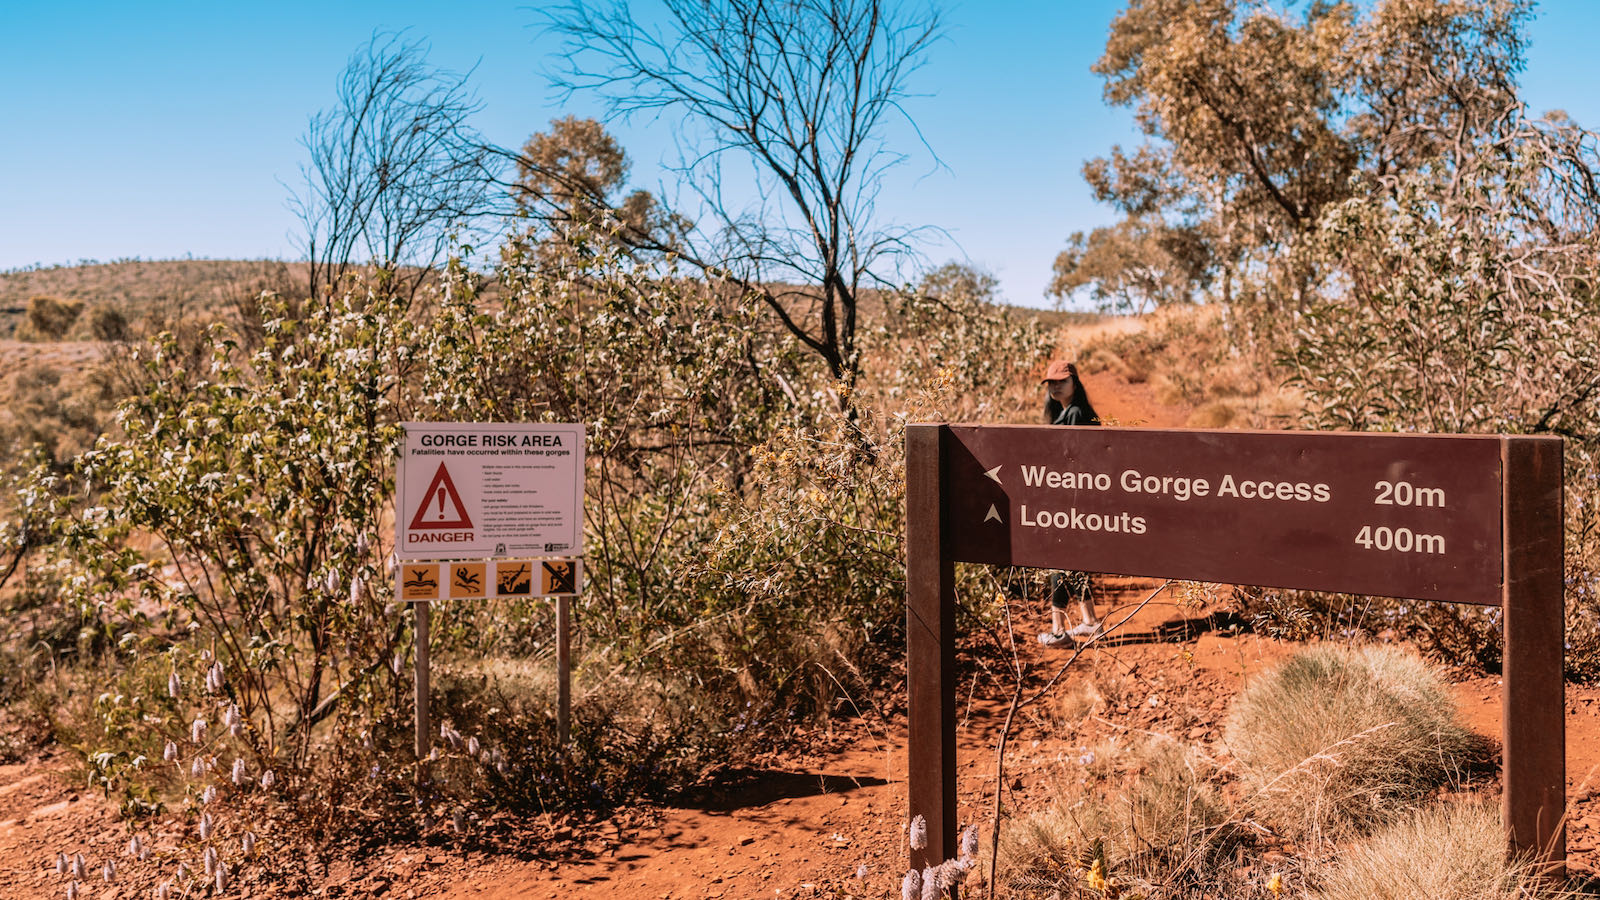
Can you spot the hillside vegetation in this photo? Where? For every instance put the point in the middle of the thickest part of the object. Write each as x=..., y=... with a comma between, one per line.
x=138, y=287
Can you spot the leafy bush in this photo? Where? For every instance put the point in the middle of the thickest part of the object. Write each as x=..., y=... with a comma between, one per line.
x=1447, y=851
x=631, y=741
x=224, y=548
x=1338, y=740
x=813, y=544
x=236, y=549
x=1459, y=298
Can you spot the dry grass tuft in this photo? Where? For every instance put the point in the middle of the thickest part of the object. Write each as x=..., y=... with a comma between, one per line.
x=1216, y=414
x=1452, y=851
x=1339, y=740
x=1099, y=691
x=1148, y=811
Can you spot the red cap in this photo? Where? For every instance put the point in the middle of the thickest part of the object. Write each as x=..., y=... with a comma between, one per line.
x=1060, y=370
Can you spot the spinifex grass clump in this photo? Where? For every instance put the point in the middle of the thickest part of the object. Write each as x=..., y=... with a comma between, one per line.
x=1339, y=740
x=1445, y=852
x=1143, y=816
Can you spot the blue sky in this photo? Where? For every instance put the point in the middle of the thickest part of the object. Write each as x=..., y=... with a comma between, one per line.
x=159, y=130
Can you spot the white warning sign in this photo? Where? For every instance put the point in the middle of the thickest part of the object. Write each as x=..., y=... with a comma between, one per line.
x=478, y=490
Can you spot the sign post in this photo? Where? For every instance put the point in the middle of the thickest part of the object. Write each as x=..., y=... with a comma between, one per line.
x=1533, y=717
x=422, y=609
x=479, y=509
x=1454, y=518
x=930, y=648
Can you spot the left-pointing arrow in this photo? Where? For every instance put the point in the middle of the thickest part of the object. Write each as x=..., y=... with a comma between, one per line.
x=994, y=473
x=994, y=514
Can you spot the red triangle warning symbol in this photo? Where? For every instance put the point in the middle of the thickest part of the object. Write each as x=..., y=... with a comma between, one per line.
x=441, y=506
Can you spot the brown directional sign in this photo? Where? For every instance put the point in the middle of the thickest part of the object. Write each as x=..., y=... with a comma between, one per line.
x=1472, y=519
x=1415, y=516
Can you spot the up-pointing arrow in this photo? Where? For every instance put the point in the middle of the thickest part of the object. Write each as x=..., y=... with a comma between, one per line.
x=994, y=514
x=994, y=473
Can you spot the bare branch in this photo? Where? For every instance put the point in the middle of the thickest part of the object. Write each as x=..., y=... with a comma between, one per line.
x=395, y=168
x=802, y=91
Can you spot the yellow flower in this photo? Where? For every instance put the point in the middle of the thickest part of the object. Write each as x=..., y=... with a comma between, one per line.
x=1275, y=884
x=1097, y=878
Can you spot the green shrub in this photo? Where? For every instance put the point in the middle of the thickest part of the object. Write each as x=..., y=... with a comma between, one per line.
x=632, y=739
x=226, y=551
x=1339, y=739
x=238, y=541
x=1450, y=851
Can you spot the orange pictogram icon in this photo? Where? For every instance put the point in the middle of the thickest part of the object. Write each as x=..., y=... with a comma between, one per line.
x=441, y=505
x=468, y=580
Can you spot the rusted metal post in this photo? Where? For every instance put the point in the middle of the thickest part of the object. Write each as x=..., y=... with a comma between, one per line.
x=1534, y=761
x=930, y=649
x=563, y=668
x=422, y=609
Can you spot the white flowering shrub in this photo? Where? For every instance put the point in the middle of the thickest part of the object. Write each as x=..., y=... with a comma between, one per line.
x=240, y=509
x=228, y=547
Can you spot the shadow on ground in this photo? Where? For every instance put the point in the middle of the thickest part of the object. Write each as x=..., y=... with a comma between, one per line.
x=1174, y=630
x=746, y=788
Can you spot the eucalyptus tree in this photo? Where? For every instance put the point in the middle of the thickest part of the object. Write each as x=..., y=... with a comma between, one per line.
x=1389, y=223
x=1259, y=118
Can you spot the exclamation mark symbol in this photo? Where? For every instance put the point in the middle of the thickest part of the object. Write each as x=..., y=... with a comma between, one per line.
x=441, y=504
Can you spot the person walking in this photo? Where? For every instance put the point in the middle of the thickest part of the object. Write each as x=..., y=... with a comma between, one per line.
x=1067, y=403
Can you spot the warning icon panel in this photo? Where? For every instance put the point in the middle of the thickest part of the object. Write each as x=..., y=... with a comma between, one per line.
x=468, y=580
x=560, y=577
x=513, y=579
x=419, y=582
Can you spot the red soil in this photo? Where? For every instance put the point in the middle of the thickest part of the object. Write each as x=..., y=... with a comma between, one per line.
x=805, y=825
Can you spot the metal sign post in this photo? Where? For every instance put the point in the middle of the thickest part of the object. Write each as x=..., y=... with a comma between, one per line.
x=1455, y=518
x=563, y=668
x=422, y=609
x=562, y=580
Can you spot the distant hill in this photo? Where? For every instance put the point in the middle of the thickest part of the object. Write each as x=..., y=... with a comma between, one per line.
x=179, y=286
x=136, y=286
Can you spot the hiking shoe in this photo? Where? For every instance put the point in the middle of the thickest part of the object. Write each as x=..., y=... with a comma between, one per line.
x=1052, y=638
x=1087, y=631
